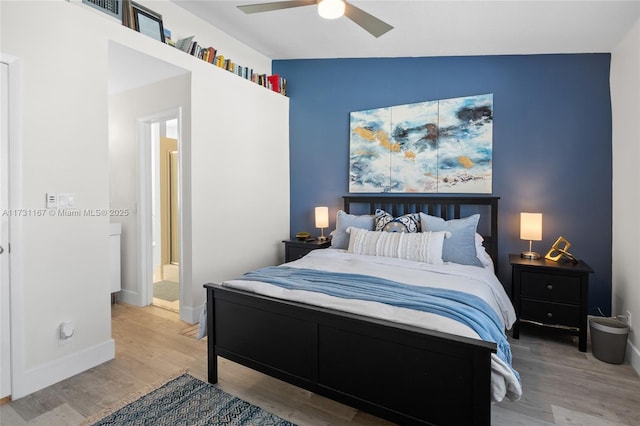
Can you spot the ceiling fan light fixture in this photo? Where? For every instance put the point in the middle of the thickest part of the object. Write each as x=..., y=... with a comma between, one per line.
x=331, y=9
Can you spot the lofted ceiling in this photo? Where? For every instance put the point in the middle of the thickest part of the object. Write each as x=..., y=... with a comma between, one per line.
x=428, y=28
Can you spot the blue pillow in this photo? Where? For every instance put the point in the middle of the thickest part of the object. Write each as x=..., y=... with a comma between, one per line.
x=340, y=237
x=406, y=223
x=461, y=246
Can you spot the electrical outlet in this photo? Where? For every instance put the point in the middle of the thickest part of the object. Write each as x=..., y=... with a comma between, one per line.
x=66, y=330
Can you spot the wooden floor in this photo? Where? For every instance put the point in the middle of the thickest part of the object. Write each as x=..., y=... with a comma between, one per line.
x=562, y=386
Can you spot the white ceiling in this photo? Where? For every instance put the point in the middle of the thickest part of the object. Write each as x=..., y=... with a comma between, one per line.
x=428, y=28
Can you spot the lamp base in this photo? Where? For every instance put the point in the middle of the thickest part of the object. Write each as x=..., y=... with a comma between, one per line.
x=322, y=238
x=530, y=255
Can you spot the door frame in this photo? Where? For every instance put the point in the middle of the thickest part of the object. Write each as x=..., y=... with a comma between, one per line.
x=13, y=249
x=145, y=205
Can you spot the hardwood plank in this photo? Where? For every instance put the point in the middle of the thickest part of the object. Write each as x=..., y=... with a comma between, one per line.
x=562, y=386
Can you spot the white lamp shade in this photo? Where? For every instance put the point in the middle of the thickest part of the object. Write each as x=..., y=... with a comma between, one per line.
x=331, y=9
x=531, y=226
x=322, y=217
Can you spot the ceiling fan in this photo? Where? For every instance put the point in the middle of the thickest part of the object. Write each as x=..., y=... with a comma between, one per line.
x=329, y=9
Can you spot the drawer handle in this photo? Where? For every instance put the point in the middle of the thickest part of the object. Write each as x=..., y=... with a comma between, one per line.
x=549, y=287
x=549, y=315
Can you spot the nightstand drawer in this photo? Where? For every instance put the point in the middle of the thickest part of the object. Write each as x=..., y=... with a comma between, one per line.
x=551, y=287
x=550, y=313
x=551, y=294
x=294, y=249
x=295, y=253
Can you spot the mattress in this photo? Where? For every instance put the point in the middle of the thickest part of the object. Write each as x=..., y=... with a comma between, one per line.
x=477, y=281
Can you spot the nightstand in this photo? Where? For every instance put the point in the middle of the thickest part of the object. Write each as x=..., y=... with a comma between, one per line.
x=551, y=294
x=295, y=249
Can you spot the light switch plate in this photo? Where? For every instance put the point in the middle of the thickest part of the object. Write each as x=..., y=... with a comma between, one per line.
x=52, y=200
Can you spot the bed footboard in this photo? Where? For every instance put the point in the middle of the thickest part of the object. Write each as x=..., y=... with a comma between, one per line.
x=402, y=373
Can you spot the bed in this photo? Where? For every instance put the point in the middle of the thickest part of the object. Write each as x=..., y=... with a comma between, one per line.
x=363, y=353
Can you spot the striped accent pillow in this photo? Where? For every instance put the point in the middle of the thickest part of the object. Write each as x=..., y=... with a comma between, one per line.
x=425, y=247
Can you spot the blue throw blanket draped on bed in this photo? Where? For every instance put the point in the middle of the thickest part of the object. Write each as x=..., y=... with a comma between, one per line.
x=463, y=307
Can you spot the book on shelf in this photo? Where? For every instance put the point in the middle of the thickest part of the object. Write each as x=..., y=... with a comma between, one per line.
x=229, y=65
x=184, y=44
x=210, y=54
x=194, y=48
x=277, y=84
x=274, y=81
x=167, y=38
x=206, y=54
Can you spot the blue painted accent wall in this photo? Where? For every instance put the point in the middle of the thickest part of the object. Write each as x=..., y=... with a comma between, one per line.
x=551, y=140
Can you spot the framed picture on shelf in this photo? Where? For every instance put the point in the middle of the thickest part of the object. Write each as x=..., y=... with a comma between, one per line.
x=146, y=21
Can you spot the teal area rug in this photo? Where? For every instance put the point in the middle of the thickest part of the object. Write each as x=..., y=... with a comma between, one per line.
x=166, y=290
x=189, y=401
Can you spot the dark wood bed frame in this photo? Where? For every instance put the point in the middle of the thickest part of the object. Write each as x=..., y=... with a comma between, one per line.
x=402, y=373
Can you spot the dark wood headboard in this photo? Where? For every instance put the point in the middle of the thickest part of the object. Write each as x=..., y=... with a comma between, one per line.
x=446, y=207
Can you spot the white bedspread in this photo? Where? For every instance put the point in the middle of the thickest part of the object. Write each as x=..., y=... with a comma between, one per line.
x=471, y=279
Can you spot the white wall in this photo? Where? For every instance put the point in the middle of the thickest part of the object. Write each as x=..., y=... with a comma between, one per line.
x=235, y=137
x=625, y=99
x=63, y=48
x=240, y=178
x=65, y=259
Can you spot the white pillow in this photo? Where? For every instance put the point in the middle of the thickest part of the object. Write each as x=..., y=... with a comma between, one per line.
x=481, y=253
x=423, y=247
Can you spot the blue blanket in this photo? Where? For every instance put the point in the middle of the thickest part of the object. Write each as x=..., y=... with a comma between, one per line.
x=463, y=307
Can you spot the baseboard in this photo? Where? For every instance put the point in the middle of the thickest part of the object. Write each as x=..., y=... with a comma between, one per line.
x=60, y=369
x=190, y=315
x=187, y=313
x=633, y=356
x=130, y=297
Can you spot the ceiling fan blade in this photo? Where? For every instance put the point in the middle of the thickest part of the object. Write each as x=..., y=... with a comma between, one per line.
x=373, y=25
x=276, y=5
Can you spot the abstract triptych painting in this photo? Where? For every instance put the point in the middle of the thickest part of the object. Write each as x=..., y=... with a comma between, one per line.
x=441, y=146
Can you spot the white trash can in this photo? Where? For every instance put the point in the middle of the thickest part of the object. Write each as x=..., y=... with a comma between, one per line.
x=608, y=339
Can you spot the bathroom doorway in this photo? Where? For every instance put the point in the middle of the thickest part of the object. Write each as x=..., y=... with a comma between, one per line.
x=166, y=227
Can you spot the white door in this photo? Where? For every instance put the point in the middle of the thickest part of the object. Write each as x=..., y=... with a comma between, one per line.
x=5, y=330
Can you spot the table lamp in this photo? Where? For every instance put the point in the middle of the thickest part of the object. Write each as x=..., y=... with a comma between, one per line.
x=322, y=221
x=530, y=229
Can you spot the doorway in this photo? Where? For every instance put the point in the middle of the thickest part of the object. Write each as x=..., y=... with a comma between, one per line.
x=143, y=101
x=166, y=230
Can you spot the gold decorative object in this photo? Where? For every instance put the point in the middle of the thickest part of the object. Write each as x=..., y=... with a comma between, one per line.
x=302, y=236
x=559, y=249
